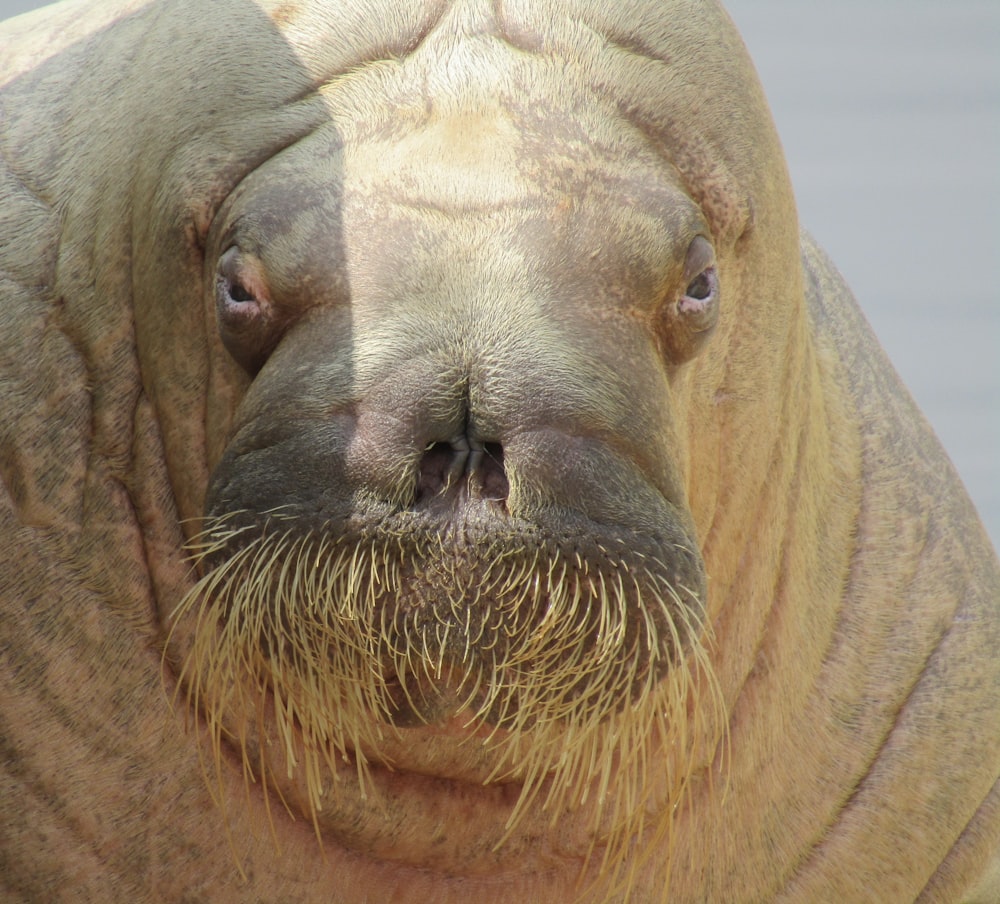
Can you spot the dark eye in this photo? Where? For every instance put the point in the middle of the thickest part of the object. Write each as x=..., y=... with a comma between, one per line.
x=238, y=292
x=689, y=317
x=698, y=288
x=245, y=313
x=700, y=292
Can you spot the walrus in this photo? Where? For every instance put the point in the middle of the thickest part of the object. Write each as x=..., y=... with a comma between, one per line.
x=437, y=467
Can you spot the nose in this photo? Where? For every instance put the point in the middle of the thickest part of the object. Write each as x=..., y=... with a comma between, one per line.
x=461, y=466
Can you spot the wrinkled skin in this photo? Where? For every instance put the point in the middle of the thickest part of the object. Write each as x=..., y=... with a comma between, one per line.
x=493, y=271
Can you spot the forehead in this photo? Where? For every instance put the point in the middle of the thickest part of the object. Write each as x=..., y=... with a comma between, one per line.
x=674, y=74
x=524, y=148
x=470, y=192
x=505, y=145
x=469, y=120
x=462, y=157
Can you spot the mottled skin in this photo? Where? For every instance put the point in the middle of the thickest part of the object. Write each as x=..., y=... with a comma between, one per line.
x=507, y=196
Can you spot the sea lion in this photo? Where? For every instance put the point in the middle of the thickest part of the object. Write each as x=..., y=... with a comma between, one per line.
x=436, y=468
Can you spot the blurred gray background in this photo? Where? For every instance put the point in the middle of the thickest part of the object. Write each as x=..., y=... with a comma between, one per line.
x=13, y=7
x=889, y=111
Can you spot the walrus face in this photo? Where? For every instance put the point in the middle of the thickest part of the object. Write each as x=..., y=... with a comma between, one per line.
x=447, y=533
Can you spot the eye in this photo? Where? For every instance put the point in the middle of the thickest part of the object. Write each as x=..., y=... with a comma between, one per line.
x=246, y=316
x=688, y=317
x=701, y=288
x=238, y=292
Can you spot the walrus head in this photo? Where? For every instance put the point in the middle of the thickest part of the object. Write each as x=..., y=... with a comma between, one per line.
x=447, y=497
x=447, y=535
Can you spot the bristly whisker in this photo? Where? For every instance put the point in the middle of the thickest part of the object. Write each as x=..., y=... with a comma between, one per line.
x=573, y=662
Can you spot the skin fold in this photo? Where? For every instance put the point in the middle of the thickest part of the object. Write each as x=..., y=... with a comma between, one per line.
x=436, y=466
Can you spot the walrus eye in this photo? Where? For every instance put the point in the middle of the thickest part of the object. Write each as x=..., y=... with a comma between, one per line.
x=700, y=276
x=702, y=287
x=239, y=292
x=245, y=314
x=688, y=318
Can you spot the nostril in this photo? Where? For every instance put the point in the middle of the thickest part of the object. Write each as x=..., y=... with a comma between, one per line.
x=437, y=470
x=492, y=476
x=462, y=467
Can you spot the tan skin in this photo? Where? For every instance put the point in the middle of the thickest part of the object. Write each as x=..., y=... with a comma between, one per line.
x=521, y=201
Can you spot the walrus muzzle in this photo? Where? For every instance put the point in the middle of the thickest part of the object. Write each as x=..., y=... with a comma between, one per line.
x=334, y=613
x=542, y=638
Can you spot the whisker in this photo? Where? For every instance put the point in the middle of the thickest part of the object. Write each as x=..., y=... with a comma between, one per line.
x=592, y=672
